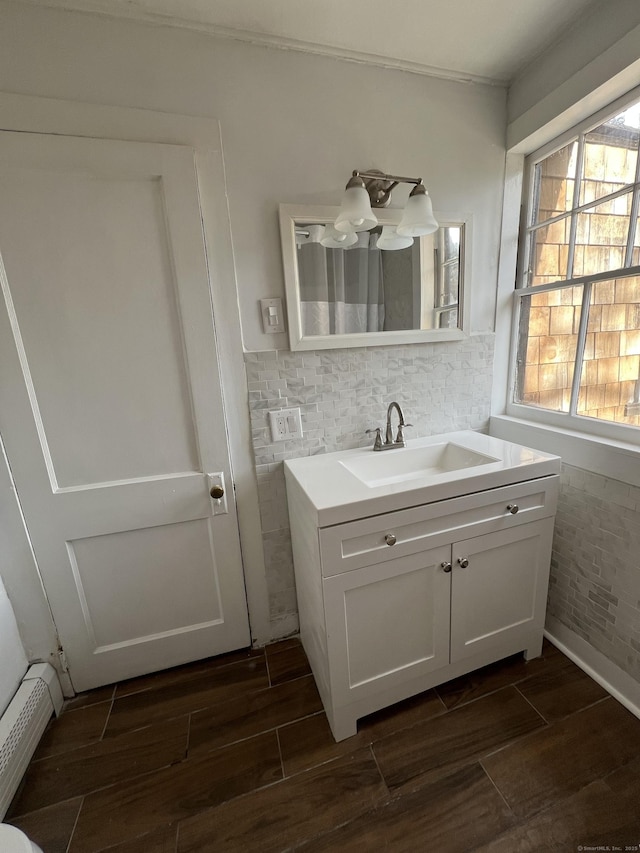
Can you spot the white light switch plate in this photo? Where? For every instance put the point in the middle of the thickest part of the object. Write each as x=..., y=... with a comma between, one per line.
x=285, y=424
x=272, y=316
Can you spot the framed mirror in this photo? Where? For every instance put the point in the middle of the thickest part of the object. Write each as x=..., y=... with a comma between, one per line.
x=359, y=293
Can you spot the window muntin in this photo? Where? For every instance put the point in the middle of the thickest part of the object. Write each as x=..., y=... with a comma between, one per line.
x=610, y=157
x=549, y=323
x=554, y=183
x=578, y=343
x=601, y=236
x=611, y=360
x=549, y=253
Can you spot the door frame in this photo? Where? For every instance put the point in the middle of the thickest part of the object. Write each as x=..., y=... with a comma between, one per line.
x=31, y=114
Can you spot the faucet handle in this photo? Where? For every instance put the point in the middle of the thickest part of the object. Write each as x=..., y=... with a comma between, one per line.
x=378, y=442
x=400, y=435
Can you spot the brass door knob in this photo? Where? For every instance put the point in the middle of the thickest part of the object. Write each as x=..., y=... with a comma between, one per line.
x=216, y=492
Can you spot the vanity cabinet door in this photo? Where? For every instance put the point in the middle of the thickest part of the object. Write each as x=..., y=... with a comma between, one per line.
x=499, y=588
x=387, y=624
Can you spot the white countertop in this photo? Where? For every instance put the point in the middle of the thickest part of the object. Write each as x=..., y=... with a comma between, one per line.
x=337, y=495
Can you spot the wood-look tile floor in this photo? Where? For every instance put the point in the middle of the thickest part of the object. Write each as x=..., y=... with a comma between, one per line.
x=234, y=754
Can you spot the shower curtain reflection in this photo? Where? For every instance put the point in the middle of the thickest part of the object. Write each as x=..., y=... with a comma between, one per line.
x=341, y=290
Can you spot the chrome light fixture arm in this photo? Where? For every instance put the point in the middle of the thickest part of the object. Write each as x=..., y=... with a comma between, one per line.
x=367, y=190
x=379, y=185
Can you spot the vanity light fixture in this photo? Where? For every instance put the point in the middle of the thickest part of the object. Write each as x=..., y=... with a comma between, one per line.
x=334, y=239
x=355, y=214
x=418, y=218
x=390, y=240
x=325, y=235
x=373, y=189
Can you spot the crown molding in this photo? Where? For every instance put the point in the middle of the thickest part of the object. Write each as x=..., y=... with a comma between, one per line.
x=120, y=11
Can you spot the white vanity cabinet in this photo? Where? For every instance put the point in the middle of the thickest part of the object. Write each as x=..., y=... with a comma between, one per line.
x=393, y=604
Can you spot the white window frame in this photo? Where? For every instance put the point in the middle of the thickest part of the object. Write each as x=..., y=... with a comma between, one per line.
x=566, y=421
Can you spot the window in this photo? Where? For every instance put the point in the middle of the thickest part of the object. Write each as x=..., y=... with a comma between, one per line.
x=577, y=359
x=447, y=267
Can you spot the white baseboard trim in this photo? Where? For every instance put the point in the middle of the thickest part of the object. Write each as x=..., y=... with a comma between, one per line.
x=615, y=681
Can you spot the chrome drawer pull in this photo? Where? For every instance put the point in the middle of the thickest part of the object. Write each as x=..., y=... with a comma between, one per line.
x=463, y=562
x=446, y=567
x=513, y=508
x=390, y=539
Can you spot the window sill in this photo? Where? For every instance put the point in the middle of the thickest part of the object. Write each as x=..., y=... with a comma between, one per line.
x=614, y=459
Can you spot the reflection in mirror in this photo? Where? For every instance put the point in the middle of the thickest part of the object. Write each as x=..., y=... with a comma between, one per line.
x=370, y=287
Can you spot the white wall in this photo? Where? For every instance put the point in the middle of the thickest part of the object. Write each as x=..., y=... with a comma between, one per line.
x=13, y=660
x=294, y=126
x=595, y=62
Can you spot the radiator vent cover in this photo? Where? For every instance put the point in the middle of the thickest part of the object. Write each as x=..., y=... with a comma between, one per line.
x=22, y=725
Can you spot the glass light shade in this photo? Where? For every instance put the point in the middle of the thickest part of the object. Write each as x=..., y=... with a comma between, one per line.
x=316, y=233
x=364, y=240
x=390, y=240
x=417, y=219
x=355, y=213
x=337, y=239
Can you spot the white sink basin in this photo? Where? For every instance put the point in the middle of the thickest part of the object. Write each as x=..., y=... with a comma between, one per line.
x=359, y=483
x=401, y=464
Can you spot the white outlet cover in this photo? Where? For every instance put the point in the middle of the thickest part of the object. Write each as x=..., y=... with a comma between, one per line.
x=285, y=424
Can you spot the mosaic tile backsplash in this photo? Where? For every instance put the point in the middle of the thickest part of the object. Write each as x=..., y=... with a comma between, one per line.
x=341, y=393
x=595, y=569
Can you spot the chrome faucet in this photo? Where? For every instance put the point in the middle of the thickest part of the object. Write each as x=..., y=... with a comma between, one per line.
x=389, y=442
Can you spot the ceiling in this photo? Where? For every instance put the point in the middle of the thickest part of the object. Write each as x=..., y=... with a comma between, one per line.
x=487, y=41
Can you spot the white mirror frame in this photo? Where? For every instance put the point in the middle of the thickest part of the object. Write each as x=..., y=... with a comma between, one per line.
x=320, y=214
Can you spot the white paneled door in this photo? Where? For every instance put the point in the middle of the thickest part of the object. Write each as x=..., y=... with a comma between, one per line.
x=110, y=402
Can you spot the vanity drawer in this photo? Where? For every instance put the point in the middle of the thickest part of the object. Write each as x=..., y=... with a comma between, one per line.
x=356, y=544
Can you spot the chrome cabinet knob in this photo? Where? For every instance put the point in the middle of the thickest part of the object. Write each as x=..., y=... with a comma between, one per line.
x=446, y=567
x=513, y=508
x=390, y=539
x=463, y=562
x=216, y=492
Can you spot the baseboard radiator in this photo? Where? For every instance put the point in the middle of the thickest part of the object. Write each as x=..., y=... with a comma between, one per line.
x=22, y=724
